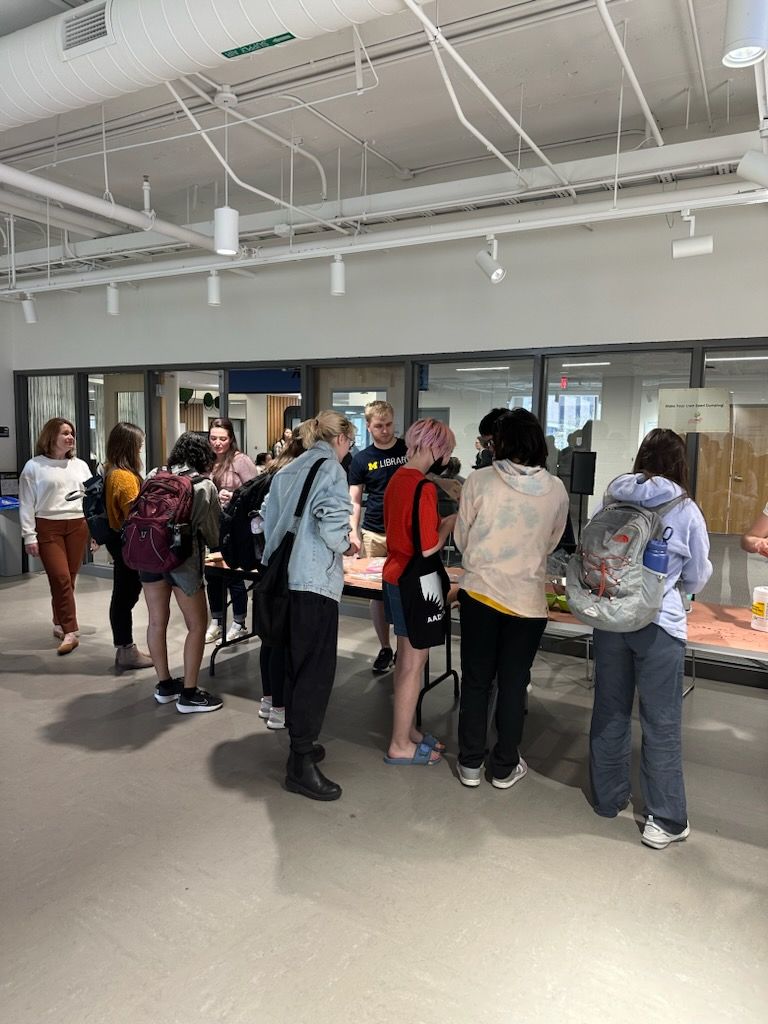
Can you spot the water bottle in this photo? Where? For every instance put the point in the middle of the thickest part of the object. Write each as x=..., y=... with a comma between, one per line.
x=656, y=556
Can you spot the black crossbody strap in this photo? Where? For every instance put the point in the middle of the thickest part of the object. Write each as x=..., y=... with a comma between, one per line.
x=415, y=529
x=313, y=471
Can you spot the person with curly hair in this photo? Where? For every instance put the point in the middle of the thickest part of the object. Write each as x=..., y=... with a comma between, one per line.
x=193, y=456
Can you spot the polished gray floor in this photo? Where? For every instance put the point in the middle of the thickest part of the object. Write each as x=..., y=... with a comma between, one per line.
x=154, y=870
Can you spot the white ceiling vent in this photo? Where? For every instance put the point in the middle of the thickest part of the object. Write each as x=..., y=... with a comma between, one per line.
x=86, y=31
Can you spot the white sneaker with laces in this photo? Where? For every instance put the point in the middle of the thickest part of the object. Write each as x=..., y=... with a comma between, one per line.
x=658, y=838
x=265, y=707
x=236, y=631
x=469, y=776
x=213, y=633
x=520, y=771
x=276, y=718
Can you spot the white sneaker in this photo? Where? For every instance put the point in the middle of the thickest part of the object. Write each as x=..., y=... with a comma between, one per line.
x=469, y=776
x=236, y=631
x=520, y=771
x=276, y=718
x=265, y=707
x=657, y=837
x=213, y=633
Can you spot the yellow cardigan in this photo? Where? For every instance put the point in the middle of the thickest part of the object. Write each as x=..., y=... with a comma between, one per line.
x=121, y=489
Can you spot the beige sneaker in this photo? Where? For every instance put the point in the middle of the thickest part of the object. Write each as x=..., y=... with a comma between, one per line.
x=132, y=657
x=69, y=643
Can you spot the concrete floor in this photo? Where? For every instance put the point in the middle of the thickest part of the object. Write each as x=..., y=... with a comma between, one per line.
x=154, y=870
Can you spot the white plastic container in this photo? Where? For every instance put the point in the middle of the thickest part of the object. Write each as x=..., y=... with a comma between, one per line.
x=760, y=609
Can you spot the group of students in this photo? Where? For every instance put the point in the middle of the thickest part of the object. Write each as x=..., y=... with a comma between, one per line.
x=511, y=516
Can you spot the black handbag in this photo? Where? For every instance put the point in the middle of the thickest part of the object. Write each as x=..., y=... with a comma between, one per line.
x=424, y=586
x=270, y=592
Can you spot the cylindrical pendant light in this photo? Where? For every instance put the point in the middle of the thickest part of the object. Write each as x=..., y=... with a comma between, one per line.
x=746, y=33
x=753, y=166
x=113, y=299
x=338, y=276
x=226, y=231
x=487, y=260
x=214, y=288
x=29, y=310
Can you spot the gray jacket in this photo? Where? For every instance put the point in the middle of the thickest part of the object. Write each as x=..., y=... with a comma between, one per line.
x=322, y=535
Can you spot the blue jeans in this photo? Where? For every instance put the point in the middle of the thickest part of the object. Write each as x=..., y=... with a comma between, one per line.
x=652, y=661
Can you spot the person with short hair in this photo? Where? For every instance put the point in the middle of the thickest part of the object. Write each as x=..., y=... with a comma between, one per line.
x=511, y=516
x=429, y=444
x=54, y=529
x=755, y=540
x=192, y=455
x=369, y=473
x=650, y=660
x=315, y=582
x=122, y=483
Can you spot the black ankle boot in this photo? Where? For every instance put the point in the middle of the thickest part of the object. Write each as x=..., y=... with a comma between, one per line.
x=304, y=777
x=318, y=753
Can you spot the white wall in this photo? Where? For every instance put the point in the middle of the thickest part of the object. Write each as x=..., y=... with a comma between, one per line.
x=7, y=415
x=565, y=287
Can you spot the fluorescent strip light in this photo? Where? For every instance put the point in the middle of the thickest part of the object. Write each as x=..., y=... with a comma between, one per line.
x=569, y=365
x=479, y=369
x=735, y=359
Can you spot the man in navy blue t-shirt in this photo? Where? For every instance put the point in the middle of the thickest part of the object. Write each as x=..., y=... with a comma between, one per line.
x=370, y=472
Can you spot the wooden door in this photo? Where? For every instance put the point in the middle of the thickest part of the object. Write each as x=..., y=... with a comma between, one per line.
x=732, y=485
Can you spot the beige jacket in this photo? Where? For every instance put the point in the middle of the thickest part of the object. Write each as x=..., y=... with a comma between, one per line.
x=510, y=518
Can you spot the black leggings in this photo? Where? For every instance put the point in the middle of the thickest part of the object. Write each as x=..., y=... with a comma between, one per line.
x=126, y=590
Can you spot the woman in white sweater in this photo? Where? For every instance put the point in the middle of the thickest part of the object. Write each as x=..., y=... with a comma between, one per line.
x=511, y=516
x=54, y=529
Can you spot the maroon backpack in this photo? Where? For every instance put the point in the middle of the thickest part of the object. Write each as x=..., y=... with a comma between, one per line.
x=157, y=534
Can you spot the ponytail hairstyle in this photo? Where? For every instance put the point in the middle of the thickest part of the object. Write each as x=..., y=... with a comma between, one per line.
x=293, y=449
x=324, y=427
x=220, y=468
x=124, y=448
x=662, y=453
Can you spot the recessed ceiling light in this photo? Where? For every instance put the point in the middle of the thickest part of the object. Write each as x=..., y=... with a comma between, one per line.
x=568, y=365
x=479, y=369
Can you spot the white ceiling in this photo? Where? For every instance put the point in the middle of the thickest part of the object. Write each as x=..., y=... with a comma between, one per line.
x=562, y=71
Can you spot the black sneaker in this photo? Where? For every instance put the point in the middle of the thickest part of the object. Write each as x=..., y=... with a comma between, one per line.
x=166, y=693
x=384, y=661
x=198, y=700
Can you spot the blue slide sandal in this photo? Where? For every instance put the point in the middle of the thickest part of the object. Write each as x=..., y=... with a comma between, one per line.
x=423, y=757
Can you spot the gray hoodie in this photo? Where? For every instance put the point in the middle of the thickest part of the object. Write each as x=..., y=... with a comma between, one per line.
x=510, y=518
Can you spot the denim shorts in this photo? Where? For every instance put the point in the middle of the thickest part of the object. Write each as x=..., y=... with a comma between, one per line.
x=393, y=608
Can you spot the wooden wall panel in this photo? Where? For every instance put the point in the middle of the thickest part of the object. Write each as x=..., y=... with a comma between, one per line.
x=276, y=406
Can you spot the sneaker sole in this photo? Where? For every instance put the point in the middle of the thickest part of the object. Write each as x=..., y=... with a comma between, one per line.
x=294, y=787
x=274, y=727
x=665, y=843
x=508, y=783
x=263, y=715
x=196, y=709
x=171, y=699
x=469, y=783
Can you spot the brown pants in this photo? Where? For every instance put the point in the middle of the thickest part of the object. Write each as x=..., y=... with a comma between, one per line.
x=62, y=545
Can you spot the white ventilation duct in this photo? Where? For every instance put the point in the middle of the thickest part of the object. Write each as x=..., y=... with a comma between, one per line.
x=110, y=48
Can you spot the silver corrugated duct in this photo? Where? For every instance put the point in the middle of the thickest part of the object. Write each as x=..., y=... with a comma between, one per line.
x=110, y=48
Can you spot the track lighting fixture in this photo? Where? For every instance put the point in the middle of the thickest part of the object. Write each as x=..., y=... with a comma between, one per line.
x=753, y=166
x=29, y=310
x=214, y=288
x=488, y=261
x=113, y=299
x=746, y=33
x=226, y=231
x=338, y=276
x=703, y=245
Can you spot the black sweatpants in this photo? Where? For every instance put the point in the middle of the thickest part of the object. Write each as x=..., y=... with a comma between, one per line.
x=494, y=645
x=272, y=666
x=311, y=666
x=126, y=590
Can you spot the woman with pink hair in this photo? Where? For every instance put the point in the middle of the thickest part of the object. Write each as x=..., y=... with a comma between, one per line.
x=430, y=444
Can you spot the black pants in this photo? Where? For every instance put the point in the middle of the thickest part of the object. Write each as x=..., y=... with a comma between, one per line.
x=311, y=666
x=237, y=592
x=494, y=645
x=272, y=664
x=126, y=590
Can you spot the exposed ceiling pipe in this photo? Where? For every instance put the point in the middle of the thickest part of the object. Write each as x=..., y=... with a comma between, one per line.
x=237, y=180
x=33, y=209
x=434, y=232
x=46, y=70
x=434, y=33
x=602, y=8
x=237, y=116
x=404, y=173
x=109, y=211
x=700, y=62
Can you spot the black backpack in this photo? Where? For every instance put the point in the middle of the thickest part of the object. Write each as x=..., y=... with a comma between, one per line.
x=94, y=508
x=424, y=586
x=240, y=546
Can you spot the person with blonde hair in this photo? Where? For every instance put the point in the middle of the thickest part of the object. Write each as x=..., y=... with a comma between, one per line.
x=54, y=529
x=429, y=444
x=315, y=581
x=369, y=472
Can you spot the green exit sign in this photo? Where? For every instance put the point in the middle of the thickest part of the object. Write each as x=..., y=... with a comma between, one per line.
x=261, y=45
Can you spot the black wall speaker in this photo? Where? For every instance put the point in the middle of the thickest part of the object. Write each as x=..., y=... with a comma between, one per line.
x=583, y=472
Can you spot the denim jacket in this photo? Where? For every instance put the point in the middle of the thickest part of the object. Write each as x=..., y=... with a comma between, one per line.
x=322, y=534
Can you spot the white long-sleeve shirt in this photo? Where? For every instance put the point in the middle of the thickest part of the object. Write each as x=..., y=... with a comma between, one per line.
x=43, y=488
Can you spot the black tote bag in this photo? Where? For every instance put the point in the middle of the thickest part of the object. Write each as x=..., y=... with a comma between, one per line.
x=270, y=592
x=424, y=586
